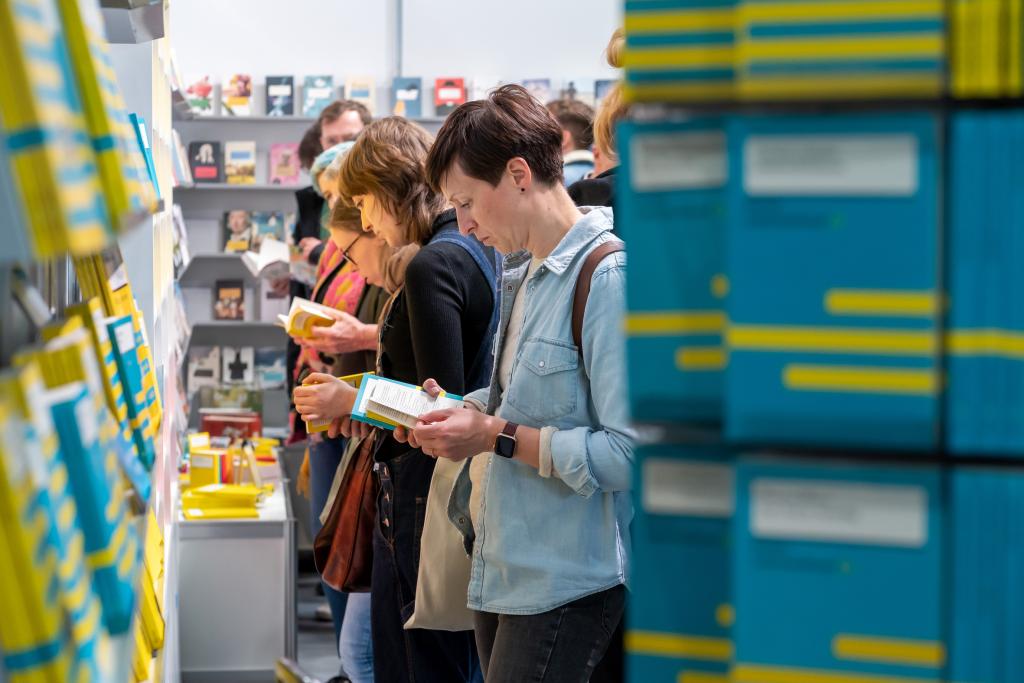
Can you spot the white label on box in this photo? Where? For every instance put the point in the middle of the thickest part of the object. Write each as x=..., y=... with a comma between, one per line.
x=85, y=416
x=204, y=462
x=839, y=512
x=849, y=165
x=279, y=90
x=699, y=489
x=125, y=336
x=678, y=161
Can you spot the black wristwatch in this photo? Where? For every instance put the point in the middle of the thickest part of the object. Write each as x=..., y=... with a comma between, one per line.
x=505, y=443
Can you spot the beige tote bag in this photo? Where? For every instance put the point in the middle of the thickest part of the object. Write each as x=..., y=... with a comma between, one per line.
x=442, y=582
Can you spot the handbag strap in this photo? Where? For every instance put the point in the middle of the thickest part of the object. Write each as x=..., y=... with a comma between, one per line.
x=579, y=300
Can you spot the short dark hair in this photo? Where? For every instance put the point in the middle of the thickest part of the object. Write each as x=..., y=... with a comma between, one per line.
x=336, y=109
x=310, y=147
x=482, y=135
x=577, y=118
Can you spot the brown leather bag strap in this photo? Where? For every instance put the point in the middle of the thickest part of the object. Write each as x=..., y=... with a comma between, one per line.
x=579, y=300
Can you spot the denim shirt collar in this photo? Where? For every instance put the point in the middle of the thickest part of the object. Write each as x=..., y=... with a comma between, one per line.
x=595, y=221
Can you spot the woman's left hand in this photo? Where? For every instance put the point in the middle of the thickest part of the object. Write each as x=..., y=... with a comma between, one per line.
x=456, y=434
x=323, y=397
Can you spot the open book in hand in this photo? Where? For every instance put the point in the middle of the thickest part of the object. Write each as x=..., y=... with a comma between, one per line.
x=388, y=403
x=322, y=425
x=272, y=262
x=303, y=316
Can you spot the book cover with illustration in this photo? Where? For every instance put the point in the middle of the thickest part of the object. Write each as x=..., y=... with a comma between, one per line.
x=236, y=95
x=448, y=94
x=317, y=93
x=284, y=163
x=407, y=97
x=205, y=161
x=203, y=367
x=362, y=90
x=280, y=95
x=540, y=88
x=266, y=224
x=240, y=163
x=601, y=88
x=238, y=231
x=237, y=365
x=199, y=95
x=229, y=300
x=270, y=367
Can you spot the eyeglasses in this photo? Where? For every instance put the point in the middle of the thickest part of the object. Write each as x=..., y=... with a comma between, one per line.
x=344, y=252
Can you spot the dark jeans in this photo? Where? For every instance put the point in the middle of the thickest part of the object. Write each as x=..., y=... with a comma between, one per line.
x=324, y=458
x=559, y=646
x=416, y=655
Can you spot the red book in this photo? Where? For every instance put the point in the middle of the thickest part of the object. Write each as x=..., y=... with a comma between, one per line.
x=448, y=94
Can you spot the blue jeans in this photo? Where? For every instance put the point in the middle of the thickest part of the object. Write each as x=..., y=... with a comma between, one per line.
x=324, y=458
x=416, y=655
x=356, y=645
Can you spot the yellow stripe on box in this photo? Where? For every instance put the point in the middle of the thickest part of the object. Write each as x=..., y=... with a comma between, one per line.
x=677, y=645
x=695, y=21
x=861, y=379
x=750, y=673
x=701, y=677
x=668, y=323
x=107, y=556
x=697, y=358
x=878, y=302
x=819, y=49
x=704, y=56
x=850, y=10
x=677, y=92
x=836, y=86
x=986, y=342
x=884, y=342
x=889, y=650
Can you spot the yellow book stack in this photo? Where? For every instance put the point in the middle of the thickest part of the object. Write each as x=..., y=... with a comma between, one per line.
x=51, y=157
x=221, y=501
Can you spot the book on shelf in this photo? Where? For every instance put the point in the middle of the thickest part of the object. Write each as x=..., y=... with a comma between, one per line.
x=407, y=97
x=231, y=424
x=205, y=160
x=236, y=95
x=284, y=163
x=271, y=262
x=237, y=365
x=229, y=300
x=271, y=370
x=389, y=403
x=601, y=88
x=142, y=138
x=231, y=398
x=268, y=224
x=182, y=255
x=540, y=88
x=362, y=90
x=304, y=315
x=449, y=93
x=280, y=95
x=240, y=162
x=238, y=231
x=182, y=171
x=203, y=367
x=273, y=304
x=317, y=93
x=199, y=95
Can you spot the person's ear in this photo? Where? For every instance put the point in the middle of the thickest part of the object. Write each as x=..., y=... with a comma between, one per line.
x=567, y=143
x=520, y=172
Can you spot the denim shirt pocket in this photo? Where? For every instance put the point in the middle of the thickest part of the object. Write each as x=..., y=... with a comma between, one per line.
x=545, y=384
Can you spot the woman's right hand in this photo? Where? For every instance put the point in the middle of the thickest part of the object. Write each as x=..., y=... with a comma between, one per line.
x=323, y=396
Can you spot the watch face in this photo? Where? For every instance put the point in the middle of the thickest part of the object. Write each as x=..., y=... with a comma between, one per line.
x=505, y=446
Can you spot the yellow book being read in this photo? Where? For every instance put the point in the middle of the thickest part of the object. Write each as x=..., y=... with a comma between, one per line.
x=303, y=316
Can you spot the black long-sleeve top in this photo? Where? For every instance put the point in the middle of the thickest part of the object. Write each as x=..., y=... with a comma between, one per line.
x=438, y=322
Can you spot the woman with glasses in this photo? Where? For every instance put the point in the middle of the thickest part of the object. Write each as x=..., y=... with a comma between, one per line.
x=441, y=322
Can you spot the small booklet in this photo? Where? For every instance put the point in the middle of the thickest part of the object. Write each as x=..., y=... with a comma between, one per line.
x=314, y=426
x=273, y=261
x=303, y=316
x=388, y=403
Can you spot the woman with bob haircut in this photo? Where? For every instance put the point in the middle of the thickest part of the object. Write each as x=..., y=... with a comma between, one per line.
x=439, y=324
x=543, y=503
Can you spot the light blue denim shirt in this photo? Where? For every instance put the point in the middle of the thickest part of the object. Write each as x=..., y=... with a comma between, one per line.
x=543, y=541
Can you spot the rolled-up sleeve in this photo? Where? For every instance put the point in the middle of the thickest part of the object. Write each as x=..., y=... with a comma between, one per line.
x=589, y=459
x=478, y=398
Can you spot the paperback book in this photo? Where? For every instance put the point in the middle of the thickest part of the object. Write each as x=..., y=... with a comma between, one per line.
x=199, y=95
x=270, y=367
x=229, y=302
x=363, y=91
x=317, y=93
x=449, y=93
x=205, y=160
x=407, y=97
x=284, y=163
x=237, y=365
x=280, y=96
x=240, y=162
x=238, y=231
x=203, y=367
x=236, y=95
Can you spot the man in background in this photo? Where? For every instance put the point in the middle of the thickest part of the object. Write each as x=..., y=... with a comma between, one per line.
x=577, y=122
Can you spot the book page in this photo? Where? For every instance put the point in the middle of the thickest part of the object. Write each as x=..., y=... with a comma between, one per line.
x=405, y=404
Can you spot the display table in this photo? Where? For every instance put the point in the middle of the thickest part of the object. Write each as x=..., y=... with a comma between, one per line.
x=236, y=612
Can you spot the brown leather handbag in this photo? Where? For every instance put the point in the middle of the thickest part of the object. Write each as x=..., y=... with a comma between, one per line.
x=343, y=550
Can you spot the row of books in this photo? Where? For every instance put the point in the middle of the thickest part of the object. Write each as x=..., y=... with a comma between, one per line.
x=407, y=94
x=236, y=164
x=719, y=50
x=785, y=279
x=75, y=167
x=811, y=569
x=217, y=366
